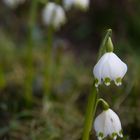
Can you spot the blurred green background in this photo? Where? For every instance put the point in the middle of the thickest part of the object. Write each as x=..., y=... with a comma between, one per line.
x=75, y=49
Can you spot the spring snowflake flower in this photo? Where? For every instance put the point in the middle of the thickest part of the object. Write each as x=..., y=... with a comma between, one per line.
x=108, y=124
x=54, y=15
x=13, y=3
x=82, y=4
x=68, y=4
x=108, y=68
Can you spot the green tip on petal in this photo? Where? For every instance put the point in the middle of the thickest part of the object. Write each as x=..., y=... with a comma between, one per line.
x=96, y=82
x=100, y=136
x=81, y=7
x=121, y=134
x=118, y=81
x=114, y=135
x=107, y=81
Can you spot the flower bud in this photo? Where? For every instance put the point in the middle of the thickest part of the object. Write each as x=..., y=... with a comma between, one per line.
x=109, y=45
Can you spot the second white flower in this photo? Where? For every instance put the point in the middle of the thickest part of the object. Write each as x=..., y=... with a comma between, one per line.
x=108, y=124
x=54, y=15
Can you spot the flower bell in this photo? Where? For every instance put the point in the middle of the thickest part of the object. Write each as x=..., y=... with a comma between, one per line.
x=68, y=4
x=13, y=3
x=53, y=15
x=81, y=4
x=109, y=67
x=108, y=124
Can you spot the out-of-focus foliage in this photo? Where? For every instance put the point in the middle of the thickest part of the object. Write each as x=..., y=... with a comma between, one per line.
x=75, y=48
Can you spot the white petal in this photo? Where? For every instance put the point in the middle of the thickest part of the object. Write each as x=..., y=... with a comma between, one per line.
x=10, y=3
x=106, y=69
x=99, y=124
x=13, y=3
x=54, y=15
x=107, y=125
x=97, y=70
x=68, y=4
x=59, y=17
x=48, y=12
x=114, y=122
x=117, y=67
x=84, y=4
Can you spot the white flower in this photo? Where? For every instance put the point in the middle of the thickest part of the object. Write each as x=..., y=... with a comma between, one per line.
x=82, y=4
x=54, y=15
x=109, y=67
x=108, y=124
x=13, y=3
x=68, y=4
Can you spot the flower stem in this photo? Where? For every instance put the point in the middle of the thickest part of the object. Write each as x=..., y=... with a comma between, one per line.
x=102, y=49
x=2, y=78
x=90, y=113
x=48, y=62
x=30, y=45
x=104, y=103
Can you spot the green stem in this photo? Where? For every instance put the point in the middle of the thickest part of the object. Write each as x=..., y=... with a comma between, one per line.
x=2, y=78
x=48, y=63
x=102, y=49
x=104, y=103
x=30, y=45
x=90, y=113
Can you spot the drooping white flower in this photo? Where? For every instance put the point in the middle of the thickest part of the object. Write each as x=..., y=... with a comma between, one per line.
x=13, y=3
x=68, y=4
x=108, y=124
x=82, y=4
x=54, y=15
x=108, y=68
